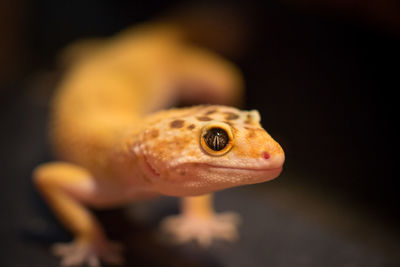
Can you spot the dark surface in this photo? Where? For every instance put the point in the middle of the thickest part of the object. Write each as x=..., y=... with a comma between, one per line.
x=324, y=82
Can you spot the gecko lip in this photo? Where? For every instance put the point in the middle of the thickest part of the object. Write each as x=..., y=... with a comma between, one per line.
x=245, y=169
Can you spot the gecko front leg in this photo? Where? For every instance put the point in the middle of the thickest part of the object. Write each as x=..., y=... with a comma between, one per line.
x=66, y=188
x=198, y=221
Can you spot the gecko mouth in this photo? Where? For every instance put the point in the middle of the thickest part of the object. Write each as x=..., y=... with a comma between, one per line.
x=189, y=179
x=150, y=167
x=233, y=171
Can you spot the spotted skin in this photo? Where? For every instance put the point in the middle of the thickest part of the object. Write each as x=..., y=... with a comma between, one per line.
x=204, y=118
x=231, y=116
x=191, y=127
x=118, y=143
x=177, y=124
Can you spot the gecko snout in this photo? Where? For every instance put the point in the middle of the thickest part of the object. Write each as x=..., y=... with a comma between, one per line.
x=273, y=160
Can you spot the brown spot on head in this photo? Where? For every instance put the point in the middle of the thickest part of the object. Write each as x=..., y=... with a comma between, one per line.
x=204, y=118
x=191, y=126
x=153, y=133
x=231, y=116
x=251, y=133
x=211, y=111
x=248, y=119
x=177, y=124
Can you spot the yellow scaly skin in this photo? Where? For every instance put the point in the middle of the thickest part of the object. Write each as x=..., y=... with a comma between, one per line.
x=115, y=146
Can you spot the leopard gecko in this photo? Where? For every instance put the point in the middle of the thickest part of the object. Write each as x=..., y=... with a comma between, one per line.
x=115, y=141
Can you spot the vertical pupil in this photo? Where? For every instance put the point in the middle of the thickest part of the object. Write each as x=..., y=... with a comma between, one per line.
x=216, y=139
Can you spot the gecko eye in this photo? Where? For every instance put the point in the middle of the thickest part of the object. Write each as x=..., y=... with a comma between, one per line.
x=215, y=140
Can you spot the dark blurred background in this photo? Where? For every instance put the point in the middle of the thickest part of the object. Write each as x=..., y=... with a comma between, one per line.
x=322, y=73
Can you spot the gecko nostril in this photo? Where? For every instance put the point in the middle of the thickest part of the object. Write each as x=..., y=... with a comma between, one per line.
x=265, y=155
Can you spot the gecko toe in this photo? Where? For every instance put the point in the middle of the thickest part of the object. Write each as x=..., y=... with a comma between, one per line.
x=202, y=230
x=81, y=252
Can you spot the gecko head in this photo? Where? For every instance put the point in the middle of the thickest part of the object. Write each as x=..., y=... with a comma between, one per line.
x=203, y=149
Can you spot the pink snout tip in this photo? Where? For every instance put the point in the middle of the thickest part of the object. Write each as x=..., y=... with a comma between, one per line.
x=265, y=155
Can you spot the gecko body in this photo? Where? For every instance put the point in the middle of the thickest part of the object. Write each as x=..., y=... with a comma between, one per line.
x=116, y=144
